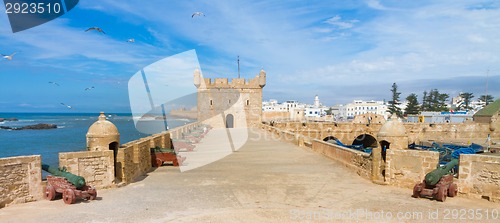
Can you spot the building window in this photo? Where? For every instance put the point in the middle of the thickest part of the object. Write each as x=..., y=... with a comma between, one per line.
x=211, y=102
x=229, y=101
x=248, y=102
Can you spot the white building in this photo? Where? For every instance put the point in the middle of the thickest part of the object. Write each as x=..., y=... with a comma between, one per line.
x=296, y=109
x=316, y=109
x=359, y=107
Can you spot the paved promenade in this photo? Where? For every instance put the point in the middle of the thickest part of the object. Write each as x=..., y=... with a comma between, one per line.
x=266, y=180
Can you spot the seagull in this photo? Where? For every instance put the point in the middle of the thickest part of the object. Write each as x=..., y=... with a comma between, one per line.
x=89, y=88
x=68, y=106
x=96, y=29
x=131, y=40
x=8, y=57
x=197, y=14
x=51, y=82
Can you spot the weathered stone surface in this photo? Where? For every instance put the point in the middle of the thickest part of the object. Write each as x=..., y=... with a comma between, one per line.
x=20, y=179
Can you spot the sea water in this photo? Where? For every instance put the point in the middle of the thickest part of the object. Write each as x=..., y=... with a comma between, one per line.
x=69, y=136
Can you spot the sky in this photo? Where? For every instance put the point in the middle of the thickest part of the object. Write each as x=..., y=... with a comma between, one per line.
x=339, y=50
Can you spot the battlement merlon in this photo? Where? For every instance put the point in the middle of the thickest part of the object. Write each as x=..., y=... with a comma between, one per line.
x=257, y=83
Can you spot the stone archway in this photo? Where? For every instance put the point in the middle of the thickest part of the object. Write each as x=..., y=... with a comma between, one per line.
x=366, y=140
x=114, y=146
x=229, y=121
x=330, y=139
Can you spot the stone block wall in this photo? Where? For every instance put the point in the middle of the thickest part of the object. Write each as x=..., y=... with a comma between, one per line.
x=479, y=176
x=126, y=169
x=358, y=161
x=275, y=115
x=97, y=167
x=405, y=168
x=142, y=155
x=20, y=180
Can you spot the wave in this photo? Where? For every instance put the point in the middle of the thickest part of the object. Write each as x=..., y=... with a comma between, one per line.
x=181, y=119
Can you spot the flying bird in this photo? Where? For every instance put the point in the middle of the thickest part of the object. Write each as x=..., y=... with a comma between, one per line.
x=131, y=40
x=89, y=88
x=68, y=106
x=197, y=14
x=96, y=29
x=51, y=82
x=8, y=57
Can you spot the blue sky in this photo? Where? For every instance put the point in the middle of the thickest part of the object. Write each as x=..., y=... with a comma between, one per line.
x=340, y=50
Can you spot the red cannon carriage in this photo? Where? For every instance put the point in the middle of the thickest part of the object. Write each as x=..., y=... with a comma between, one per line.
x=69, y=191
x=445, y=187
x=438, y=183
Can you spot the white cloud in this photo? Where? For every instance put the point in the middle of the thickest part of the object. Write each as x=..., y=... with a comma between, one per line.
x=337, y=21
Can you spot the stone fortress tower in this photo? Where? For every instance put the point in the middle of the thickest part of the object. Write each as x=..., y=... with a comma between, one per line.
x=235, y=103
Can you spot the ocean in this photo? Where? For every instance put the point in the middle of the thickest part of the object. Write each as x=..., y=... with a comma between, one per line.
x=70, y=136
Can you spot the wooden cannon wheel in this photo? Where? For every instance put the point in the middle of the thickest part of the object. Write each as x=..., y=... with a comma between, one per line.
x=416, y=190
x=50, y=193
x=441, y=194
x=452, y=190
x=93, y=193
x=69, y=196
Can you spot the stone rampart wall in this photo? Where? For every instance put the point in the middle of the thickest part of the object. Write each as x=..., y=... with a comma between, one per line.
x=479, y=176
x=405, y=168
x=417, y=132
x=358, y=161
x=97, y=167
x=20, y=180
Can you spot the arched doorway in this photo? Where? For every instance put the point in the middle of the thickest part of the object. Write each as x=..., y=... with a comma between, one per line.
x=385, y=146
x=114, y=146
x=229, y=121
x=366, y=140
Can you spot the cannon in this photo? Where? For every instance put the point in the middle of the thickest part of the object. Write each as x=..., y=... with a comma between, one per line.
x=69, y=185
x=438, y=183
x=161, y=155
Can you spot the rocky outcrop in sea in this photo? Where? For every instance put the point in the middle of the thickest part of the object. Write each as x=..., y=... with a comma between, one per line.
x=9, y=119
x=32, y=127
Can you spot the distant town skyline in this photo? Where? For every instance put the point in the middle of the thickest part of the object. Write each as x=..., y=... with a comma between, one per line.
x=339, y=50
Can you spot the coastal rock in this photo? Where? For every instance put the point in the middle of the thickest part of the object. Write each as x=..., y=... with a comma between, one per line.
x=32, y=127
x=9, y=119
x=40, y=126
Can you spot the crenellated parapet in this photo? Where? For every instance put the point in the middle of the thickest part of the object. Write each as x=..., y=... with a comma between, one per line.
x=225, y=83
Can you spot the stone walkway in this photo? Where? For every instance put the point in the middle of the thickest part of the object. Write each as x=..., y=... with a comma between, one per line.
x=266, y=180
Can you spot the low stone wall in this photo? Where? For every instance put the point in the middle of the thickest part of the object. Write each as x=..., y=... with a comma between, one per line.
x=20, y=180
x=275, y=115
x=134, y=158
x=405, y=168
x=176, y=133
x=358, y=161
x=126, y=169
x=97, y=167
x=479, y=176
